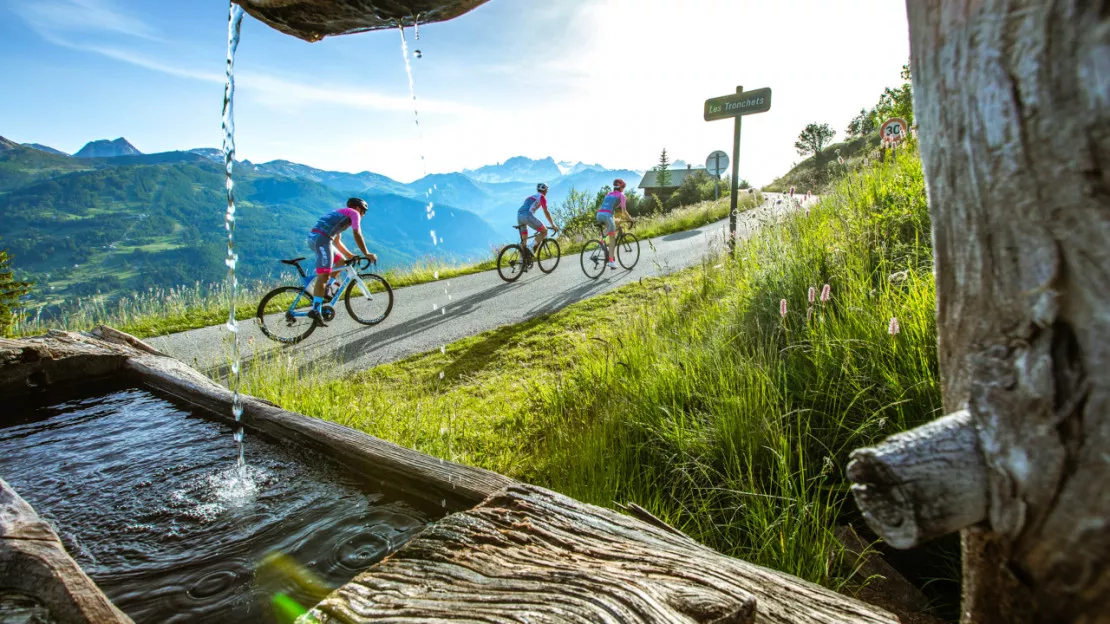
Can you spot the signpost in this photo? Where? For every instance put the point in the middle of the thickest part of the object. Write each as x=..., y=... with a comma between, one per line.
x=716, y=165
x=735, y=107
x=893, y=130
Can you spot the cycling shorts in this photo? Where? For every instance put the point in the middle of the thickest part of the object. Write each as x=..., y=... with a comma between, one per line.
x=524, y=219
x=606, y=219
x=324, y=252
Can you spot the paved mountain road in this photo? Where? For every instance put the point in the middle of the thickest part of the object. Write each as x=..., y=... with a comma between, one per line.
x=426, y=316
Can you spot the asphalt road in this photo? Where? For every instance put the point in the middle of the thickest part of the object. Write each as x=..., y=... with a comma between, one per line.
x=427, y=316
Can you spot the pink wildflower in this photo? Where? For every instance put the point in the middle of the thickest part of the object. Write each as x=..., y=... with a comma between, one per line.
x=826, y=293
x=782, y=308
x=893, y=329
x=809, y=314
x=807, y=211
x=812, y=294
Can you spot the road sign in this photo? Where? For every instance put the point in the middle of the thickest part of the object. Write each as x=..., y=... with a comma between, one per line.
x=717, y=163
x=741, y=103
x=735, y=107
x=893, y=129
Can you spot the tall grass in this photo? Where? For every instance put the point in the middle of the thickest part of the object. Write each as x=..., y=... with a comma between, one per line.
x=692, y=395
x=160, y=311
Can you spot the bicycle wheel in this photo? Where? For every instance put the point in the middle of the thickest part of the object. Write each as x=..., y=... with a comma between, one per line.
x=548, y=255
x=593, y=259
x=510, y=263
x=370, y=306
x=628, y=250
x=275, y=315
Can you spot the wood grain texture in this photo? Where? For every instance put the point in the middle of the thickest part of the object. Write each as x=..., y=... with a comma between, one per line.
x=531, y=555
x=1012, y=102
x=34, y=562
x=313, y=20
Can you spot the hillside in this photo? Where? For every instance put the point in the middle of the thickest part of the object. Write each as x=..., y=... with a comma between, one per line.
x=805, y=177
x=119, y=224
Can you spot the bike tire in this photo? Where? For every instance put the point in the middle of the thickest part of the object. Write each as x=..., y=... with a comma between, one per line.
x=549, y=255
x=628, y=250
x=510, y=263
x=279, y=327
x=593, y=259
x=369, y=313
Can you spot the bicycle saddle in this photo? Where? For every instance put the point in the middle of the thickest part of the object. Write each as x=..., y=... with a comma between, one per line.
x=293, y=262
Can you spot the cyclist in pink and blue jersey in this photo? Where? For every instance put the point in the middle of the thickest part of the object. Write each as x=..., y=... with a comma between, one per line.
x=526, y=216
x=605, y=216
x=324, y=239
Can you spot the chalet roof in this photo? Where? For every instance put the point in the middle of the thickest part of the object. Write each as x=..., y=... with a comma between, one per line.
x=677, y=176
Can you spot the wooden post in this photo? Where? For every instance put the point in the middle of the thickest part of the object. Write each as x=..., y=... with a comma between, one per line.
x=732, y=213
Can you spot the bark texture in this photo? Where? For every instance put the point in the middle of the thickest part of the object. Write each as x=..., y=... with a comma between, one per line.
x=313, y=20
x=1012, y=98
x=530, y=555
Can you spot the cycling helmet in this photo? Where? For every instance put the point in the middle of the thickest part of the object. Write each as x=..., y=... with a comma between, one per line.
x=358, y=204
x=541, y=187
x=618, y=184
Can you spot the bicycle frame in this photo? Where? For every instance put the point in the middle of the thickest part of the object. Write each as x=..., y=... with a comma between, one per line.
x=349, y=274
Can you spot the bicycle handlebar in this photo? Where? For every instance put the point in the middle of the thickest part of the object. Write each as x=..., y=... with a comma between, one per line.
x=360, y=262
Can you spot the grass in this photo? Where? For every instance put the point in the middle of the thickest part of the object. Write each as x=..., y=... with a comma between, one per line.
x=692, y=395
x=161, y=311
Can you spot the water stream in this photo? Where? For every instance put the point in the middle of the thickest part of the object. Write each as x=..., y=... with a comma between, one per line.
x=242, y=481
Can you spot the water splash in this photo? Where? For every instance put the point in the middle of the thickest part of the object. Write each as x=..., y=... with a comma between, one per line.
x=234, y=25
x=412, y=92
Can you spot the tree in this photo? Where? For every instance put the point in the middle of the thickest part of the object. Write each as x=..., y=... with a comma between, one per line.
x=663, y=170
x=1015, y=150
x=11, y=290
x=862, y=124
x=895, y=102
x=814, y=139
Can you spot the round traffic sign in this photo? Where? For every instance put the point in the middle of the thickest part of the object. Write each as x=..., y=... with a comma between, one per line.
x=717, y=163
x=894, y=129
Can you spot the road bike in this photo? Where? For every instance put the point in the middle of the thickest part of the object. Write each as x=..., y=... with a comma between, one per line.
x=595, y=253
x=283, y=313
x=512, y=262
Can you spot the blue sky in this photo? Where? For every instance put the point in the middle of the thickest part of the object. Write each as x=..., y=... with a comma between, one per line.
x=606, y=81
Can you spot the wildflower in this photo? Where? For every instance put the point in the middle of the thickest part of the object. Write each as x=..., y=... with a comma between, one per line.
x=893, y=328
x=840, y=159
x=782, y=308
x=826, y=293
x=812, y=294
x=809, y=314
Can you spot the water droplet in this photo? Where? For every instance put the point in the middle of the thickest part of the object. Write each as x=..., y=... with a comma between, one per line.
x=433, y=233
x=443, y=503
x=435, y=307
x=435, y=274
x=418, y=54
x=441, y=374
x=443, y=349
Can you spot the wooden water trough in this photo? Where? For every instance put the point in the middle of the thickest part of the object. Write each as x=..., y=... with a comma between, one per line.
x=509, y=552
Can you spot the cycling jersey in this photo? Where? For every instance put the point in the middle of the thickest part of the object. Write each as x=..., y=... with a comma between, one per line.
x=336, y=222
x=610, y=202
x=533, y=203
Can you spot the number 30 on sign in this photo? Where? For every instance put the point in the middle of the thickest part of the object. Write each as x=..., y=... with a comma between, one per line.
x=894, y=129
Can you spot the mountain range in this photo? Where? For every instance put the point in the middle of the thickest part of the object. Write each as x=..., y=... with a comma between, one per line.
x=113, y=219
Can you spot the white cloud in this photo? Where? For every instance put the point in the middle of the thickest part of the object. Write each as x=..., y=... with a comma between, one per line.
x=81, y=16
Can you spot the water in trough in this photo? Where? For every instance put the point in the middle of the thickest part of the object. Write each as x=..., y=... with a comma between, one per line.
x=136, y=487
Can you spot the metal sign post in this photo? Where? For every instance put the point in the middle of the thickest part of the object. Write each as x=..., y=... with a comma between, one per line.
x=716, y=164
x=736, y=106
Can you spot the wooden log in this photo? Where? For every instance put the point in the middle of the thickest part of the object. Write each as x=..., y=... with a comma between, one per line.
x=923, y=483
x=531, y=555
x=34, y=563
x=313, y=20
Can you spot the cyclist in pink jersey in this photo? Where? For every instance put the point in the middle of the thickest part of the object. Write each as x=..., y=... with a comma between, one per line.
x=605, y=216
x=324, y=240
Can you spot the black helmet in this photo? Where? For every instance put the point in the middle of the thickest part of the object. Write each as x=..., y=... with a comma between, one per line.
x=541, y=187
x=358, y=204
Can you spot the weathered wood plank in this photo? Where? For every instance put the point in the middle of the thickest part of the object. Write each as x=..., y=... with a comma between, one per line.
x=34, y=562
x=531, y=555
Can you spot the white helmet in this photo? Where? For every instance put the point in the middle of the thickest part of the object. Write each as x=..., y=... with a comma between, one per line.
x=541, y=187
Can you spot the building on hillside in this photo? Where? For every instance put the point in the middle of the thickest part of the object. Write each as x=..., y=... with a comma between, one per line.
x=650, y=188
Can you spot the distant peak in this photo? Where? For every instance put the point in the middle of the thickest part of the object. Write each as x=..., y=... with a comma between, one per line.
x=104, y=148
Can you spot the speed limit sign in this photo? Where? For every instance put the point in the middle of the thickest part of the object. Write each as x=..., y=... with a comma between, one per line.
x=894, y=129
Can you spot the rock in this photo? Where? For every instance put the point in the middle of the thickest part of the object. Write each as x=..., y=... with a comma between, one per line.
x=312, y=20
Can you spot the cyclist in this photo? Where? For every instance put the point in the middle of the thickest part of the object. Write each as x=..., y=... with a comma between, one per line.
x=526, y=216
x=605, y=217
x=324, y=239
